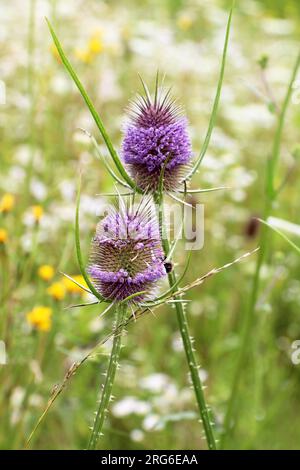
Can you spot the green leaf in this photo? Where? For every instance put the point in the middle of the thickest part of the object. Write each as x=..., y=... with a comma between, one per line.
x=216, y=102
x=91, y=107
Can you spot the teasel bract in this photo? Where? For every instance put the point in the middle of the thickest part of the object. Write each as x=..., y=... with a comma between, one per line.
x=155, y=139
x=127, y=256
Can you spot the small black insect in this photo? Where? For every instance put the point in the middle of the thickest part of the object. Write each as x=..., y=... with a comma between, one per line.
x=168, y=266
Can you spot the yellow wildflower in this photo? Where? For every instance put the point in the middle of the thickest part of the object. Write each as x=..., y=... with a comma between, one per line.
x=71, y=286
x=83, y=55
x=37, y=213
x=46, y=272
x=95, y=45
x=3, y=236
x=7, y=202
x=40, y=318
x=57, y=290
x=184, y=22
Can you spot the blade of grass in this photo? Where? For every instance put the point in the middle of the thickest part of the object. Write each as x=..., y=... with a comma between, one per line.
x=273, y=161
x=282, y=235
x=216, y=102
x=85, y=96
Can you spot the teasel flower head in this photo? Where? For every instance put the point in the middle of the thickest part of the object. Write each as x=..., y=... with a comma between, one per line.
x=156, y=139
x=127, y=256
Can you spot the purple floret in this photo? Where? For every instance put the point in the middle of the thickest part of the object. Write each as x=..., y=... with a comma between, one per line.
x=152, y=146
x=157, y=138
x=127, y=255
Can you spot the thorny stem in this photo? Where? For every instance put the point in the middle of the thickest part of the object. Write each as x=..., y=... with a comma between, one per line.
x=271, y=195
x=187, y=341
x=109, y=379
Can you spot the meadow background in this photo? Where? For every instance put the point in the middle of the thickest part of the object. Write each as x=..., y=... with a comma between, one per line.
x=41, y=153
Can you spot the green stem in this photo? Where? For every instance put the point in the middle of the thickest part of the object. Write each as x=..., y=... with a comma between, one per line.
x=95, y=115
x=187, y=342
x=271, y=195
x=109, y=380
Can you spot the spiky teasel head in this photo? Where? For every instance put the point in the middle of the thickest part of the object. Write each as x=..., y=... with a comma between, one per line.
x=155, y=140
x=127, y=255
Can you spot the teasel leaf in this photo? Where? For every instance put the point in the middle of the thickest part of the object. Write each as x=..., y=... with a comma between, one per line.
x=94, y=113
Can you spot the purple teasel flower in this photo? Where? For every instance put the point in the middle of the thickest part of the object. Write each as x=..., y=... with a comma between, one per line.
x=156, y=139
x=127, y=255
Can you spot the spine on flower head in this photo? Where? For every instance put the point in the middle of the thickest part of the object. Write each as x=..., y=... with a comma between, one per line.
x=127, y=256
x=156, y=138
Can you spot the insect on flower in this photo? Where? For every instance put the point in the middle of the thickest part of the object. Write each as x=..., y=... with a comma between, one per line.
x=127, y=255
x=168, y=266
x=156, y=138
